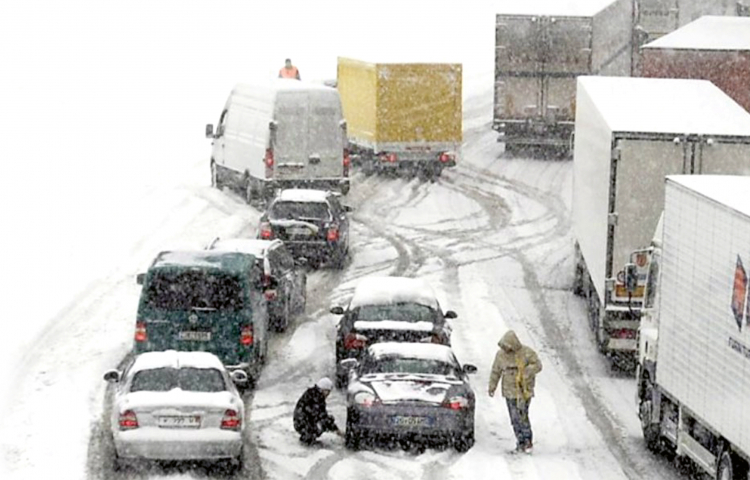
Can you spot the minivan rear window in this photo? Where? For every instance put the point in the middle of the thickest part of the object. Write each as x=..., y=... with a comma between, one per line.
x=194, y=289
x=299, y=211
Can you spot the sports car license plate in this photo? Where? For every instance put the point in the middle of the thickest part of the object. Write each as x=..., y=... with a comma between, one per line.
x=179, y=421
x=195, y=336
x=298, y=231
x=411, y=421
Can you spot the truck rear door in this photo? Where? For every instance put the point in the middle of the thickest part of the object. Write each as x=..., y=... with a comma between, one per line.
x=722, y=156
x=518, y=83
x=291, y=139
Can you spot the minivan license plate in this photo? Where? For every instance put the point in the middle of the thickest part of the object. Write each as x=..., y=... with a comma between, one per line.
x=179, y=421
x=190, y=335
x=411, y=421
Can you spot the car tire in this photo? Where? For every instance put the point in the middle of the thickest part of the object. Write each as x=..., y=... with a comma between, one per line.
x=352, y=437
x=118, y=464
x=464, y=442
x=215, y=182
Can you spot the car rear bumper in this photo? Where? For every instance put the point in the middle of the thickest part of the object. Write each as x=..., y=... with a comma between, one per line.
x=154, y=443
x=320, y=250
x=442, y=423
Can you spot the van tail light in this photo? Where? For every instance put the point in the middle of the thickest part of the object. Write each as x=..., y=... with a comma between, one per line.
x=347, y=162
x=128, y=420
x=265, y=231
x=446, y=157
x=333, y=234
x=456, y=403
x=354, y=340
x=246, y=335
x=388, y=157
x=140, y=332
x=270, y=294
x=624, y=333
x=231, y=420
x=268, y=160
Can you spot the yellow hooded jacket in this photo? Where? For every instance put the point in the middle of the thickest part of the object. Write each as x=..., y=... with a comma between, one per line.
x=516, y=365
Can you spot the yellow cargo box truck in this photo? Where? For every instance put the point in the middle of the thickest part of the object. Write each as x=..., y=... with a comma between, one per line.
x=402, y=117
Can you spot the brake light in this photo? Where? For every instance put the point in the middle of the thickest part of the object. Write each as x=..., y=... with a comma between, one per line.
x=354, y=340
x=128, y=420
x=268, y=159
x=347, y=162
x=333, y=234
x=140, y=332
x=388, y=157
x=456, y=403
x=624, y=333
x=231, y=420
x=445, y=157
x=246, y=335
x=270, y=294
x=265, y=231
x=366, y=399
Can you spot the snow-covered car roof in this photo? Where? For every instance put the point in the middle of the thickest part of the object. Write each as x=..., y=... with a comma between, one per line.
x=256, y=247
x=708, y=33
x=387, y=290
x=559, y=8
x=427, y=351
x=303, y=195
x=229, y=261
x=729, y=190
x=665, y=105
x=176, y=359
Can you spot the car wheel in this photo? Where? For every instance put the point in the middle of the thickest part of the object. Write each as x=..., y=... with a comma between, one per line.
x=464, y=442
x=118, y=464
x=215, y=182
x=352, y=437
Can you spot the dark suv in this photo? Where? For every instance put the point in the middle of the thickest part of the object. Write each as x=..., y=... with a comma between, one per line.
x=312, y=224
x=388, y=309
x=285, y=282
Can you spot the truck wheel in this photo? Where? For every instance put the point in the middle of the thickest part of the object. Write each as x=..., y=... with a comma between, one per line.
x=215, y=182
x=651, y=431
x=730, y=469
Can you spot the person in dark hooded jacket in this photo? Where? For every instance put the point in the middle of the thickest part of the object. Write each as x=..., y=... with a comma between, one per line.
x=516, y=365
x=311, y=418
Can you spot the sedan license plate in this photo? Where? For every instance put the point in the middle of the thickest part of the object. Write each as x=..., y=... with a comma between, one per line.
x=401, y=421
x=298, y=231
x=179, y=421
x=190, y=335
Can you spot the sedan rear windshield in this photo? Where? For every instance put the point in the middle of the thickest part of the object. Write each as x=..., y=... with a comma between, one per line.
x=194, y=289
x=403, y=312
x=189, y=379
x=395, y=364
x=299, y=211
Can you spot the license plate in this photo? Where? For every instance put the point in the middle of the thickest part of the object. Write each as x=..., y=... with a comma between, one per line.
x=179, y=421
x=411, y=421
x=298, y=231
x=195, y=336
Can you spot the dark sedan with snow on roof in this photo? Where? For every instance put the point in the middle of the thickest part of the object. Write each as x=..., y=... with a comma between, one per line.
x=416, y=393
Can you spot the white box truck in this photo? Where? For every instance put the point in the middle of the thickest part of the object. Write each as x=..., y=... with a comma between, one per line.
x=541, y=46
x=280, y=134
x=694, y=354
x=629, y=134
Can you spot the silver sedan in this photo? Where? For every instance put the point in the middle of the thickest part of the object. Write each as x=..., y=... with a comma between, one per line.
x=177, y=406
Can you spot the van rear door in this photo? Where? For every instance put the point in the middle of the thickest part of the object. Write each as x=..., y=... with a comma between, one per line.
x=325, y=137
x=291, y=140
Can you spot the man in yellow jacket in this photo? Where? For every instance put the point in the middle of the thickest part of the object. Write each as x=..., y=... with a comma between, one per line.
x=516, y=365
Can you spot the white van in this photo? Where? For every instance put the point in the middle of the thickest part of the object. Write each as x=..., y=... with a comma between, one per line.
x=282, y=134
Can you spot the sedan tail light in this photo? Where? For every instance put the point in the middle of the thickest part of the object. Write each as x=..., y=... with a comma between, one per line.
x=355, y=340
x=333, y=233
x=140, y=332
x=270, y=294
x=456, y=403
x=446, y=157
x=246, y=335
x=128, y=420
x=624, y=333
x=231, y=420
x=265, y=231
x=388, y=157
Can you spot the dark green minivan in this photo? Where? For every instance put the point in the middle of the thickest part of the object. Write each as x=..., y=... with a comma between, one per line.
x=208, y=301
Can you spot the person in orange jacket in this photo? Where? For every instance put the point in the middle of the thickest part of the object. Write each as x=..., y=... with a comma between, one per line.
x=289, y=70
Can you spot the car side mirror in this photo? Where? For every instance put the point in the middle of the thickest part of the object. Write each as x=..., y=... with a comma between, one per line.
x=239, y=377
x=348, y=208
x=209, y=131
x=112, y=376
x=450, y=314
x=469, y=368
x=140, y=278
x=349, y=363
x=337, y=310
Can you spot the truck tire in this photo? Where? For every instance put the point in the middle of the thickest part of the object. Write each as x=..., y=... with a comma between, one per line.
x=651, y=431
x=729, y=468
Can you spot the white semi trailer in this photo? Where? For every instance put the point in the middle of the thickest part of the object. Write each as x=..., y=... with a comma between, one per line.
x=629, y=134
x=694, y=352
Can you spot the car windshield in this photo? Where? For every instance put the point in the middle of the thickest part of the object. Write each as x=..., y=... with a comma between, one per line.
x=299, y=211
x=194, y=289
x=189, y=379
x=398, y=364
x=404, y=312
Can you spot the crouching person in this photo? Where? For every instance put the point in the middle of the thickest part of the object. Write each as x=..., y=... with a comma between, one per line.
x=311, y=418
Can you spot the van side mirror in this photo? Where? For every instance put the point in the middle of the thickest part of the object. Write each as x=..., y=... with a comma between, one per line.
x=273, y=125
x=469, y=368
x=631, y=277
x=342, y=124
x=347, y=208
x=209, y=131
x=112, y=376
x=337, y=310
x=450, y=314
x=140, y=278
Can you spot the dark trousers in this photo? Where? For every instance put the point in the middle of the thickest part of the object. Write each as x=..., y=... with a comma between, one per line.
x=519, y=418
